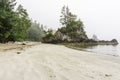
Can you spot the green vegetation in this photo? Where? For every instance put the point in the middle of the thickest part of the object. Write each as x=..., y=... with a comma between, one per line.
x=35, y=32
x=15, y=25
x=72, y=27
x=13, y=22
x=72, y=30
x=49, y=37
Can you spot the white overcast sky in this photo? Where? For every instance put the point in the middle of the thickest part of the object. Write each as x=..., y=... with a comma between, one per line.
x=100, y=17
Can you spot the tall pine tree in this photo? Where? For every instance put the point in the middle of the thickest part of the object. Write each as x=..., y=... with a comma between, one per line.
x=13, y=24
x=71, y=26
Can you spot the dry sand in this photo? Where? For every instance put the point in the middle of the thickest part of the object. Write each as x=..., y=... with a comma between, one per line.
x=55, y=62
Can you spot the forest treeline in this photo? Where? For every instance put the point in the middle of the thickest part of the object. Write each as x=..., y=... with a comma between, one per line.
x=13, y=22
x=72, y=29
x=15, y=25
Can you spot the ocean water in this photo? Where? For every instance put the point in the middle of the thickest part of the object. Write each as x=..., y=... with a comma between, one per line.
x=104, y=49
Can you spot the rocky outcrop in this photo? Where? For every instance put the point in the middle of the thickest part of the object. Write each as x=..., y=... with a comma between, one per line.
x=112, y=42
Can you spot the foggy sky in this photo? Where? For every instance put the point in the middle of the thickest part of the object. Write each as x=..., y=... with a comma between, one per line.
x=100, y=17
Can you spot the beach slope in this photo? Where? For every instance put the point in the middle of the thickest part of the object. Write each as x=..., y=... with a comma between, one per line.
x=57, y=62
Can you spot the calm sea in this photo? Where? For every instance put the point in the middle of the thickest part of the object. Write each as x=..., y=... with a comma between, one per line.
x=105, y=49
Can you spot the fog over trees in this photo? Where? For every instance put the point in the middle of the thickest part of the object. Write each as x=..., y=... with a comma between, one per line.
x=15, y=25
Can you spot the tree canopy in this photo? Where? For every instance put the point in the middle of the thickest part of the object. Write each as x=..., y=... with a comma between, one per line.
x=36, y=32
x=13, y=22
x=72, y=29
x=15, y=25
x=71, y=26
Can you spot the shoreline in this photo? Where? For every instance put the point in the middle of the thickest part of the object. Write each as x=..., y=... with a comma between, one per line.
x=57, y=62
x=85, y=47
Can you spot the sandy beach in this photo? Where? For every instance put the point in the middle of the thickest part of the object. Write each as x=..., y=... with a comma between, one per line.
x=57, y=62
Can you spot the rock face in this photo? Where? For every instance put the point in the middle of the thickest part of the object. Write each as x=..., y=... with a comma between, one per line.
x=114, y=41
x=60, y=36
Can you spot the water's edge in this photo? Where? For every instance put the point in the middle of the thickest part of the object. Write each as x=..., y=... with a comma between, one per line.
x=99, y=49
